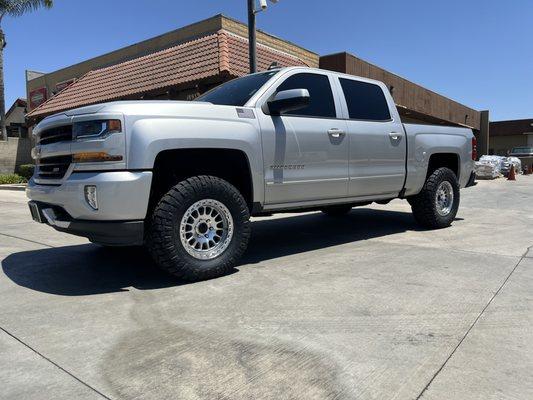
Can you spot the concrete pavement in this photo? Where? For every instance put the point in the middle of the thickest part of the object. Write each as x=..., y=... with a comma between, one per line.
x=365, y=307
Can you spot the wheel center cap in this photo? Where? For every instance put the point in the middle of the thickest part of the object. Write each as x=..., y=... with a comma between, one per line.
x=202, y=228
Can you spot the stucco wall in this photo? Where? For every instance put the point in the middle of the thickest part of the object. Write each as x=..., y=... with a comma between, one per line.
x=14, y=152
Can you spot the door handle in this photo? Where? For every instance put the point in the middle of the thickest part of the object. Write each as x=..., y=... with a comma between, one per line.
x=335, y=133
x=395, y=135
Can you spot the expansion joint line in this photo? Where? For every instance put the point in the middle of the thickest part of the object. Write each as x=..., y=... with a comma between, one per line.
x=473, y=324
x=55, y=364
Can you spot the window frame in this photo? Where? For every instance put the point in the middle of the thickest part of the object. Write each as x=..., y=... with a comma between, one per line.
x=272, y=90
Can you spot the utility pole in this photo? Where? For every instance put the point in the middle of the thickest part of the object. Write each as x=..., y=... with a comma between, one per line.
x=252, y=41
x=252, y=45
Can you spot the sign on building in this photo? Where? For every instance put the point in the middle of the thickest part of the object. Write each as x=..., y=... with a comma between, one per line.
x=38, y=97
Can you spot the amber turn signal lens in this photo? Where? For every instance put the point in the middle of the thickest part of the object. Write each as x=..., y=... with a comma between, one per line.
x=114, y=125
x=96, y=156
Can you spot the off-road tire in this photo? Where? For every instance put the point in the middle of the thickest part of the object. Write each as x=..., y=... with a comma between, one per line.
x=337, y=210
x=163, y=233
x=424, y=205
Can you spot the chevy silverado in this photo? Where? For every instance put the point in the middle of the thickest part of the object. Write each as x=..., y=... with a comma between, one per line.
x=183, y=177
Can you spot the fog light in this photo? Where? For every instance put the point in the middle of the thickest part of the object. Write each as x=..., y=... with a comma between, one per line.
x=90, y=196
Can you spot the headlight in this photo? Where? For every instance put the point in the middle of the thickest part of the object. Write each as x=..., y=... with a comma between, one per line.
x=96, y=128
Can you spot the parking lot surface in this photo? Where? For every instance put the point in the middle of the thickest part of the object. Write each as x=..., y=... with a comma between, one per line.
x=368, y=306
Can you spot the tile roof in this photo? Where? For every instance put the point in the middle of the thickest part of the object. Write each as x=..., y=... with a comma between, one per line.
x=212, y=55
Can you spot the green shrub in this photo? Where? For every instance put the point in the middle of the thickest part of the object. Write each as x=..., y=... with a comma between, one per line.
x=26, y=170
x=11, y=179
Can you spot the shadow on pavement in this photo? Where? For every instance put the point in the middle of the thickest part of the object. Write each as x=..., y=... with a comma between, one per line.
x=90, y=269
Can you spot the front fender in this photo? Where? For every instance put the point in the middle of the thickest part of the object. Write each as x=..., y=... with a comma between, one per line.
x=147, y=137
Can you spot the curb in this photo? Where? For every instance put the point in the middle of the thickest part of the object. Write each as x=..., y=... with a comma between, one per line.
x=19, y=188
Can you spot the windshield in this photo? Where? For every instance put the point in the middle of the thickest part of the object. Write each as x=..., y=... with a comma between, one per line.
x=519, y=150
x=237, y=91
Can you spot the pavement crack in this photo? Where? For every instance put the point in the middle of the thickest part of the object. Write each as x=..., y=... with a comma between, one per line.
x=55, y=364
x=27, y=240
x=473, y=324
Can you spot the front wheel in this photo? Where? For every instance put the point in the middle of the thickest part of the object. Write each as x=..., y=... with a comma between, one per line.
x=437, y=203
x=199, y=229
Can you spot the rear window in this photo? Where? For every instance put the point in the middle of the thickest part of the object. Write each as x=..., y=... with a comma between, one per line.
x=365, y=101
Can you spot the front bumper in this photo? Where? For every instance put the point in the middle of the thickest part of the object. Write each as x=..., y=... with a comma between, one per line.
x=112, y=233
x=122, y=195
x=122, y=205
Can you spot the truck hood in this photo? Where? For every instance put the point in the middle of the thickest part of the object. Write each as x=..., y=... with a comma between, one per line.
x=159, y=108
x=139, y=109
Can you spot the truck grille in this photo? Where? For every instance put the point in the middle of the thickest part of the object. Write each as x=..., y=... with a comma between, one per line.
x=57, y=134
x=53, y=167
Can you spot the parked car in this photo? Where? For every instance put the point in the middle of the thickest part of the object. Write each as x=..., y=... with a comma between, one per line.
x=525, y=154
x=522, y=152
x=183, y=178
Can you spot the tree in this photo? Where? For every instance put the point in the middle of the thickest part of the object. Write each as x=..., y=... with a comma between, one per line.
x=14, y=8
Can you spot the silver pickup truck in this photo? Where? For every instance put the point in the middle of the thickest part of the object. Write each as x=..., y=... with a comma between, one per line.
x=183, y=178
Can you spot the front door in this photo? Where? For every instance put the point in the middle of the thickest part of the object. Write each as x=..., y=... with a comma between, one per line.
x=305, y=152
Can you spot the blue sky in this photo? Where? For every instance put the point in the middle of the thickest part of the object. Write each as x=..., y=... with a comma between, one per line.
x=479, y=52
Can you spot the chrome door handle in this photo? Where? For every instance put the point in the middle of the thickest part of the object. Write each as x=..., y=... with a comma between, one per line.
x=395, y=135
x=336, y=133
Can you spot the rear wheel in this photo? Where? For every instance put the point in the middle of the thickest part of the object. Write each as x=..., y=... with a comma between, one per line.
x=199, y=229
x=437, y=203
x=337, y=210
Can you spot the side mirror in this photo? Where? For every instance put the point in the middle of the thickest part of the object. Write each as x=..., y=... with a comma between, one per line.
x=288, y=100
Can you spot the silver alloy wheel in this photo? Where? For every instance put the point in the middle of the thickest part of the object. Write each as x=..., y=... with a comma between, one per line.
x=206, y=229
x=444, y=198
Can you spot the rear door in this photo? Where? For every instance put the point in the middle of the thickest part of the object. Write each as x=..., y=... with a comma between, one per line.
x=305, y=152
x=376, y=139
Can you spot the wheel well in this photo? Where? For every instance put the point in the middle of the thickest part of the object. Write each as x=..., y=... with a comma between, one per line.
x=173, y=166
x=448, y=160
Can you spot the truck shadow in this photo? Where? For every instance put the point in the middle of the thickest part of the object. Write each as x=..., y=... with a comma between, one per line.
x=90, y=269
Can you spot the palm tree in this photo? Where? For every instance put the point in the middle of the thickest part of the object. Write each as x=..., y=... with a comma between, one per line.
x=14, y=8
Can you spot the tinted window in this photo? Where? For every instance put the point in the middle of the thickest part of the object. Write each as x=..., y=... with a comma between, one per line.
x=365, y=100
x=321, y=102
x=238, y=91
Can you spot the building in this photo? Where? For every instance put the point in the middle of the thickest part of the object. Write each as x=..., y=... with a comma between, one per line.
x=16, y=119
x=188, y=61
x=15, y=151
x=178, y=65
x=504, y=135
